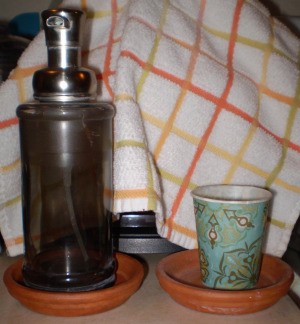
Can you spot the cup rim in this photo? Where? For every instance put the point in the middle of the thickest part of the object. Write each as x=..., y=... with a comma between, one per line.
x=231, y=194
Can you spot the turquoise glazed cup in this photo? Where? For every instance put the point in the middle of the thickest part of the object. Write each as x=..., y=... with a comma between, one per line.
x=230, y=222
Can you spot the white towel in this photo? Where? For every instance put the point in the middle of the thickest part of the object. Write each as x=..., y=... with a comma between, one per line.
x=206, y=92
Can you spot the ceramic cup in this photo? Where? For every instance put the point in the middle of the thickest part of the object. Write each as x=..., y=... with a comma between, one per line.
x=230, y=222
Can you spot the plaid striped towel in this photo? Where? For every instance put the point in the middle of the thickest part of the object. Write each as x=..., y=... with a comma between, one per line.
x=206, y=92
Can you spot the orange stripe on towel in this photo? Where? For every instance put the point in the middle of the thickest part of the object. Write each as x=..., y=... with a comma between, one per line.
x=200, y=147
x=185, y=86
x=83, y=5
x=14, y=241
x=209, y=96
x=106, y=67
x=236, y=163
x=182, y=230
x=9, y=122
x=287, y=135
x=22, y=72
x=211, y=125
x=154, y=49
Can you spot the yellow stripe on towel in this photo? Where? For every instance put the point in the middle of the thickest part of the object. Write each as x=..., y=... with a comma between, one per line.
x=9, y=167
x=10, y=202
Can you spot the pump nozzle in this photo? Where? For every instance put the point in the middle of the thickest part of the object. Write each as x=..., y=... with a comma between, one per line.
x=64, y=79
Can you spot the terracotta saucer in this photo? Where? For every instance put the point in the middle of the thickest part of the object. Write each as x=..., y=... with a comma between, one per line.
x=179, y=276
x=130, y=274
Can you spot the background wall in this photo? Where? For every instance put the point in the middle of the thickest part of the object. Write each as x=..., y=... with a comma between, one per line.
x=10, y=8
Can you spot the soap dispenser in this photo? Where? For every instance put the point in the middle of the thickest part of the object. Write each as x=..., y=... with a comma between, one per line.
x=66, y=158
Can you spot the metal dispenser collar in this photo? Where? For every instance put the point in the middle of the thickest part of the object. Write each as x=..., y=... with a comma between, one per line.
x=64, y=79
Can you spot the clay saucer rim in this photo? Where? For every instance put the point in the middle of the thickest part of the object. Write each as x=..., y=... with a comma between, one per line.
x=221, y=301
x=130, y=270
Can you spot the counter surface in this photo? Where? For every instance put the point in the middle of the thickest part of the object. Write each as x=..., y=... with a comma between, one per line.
x=150, y=304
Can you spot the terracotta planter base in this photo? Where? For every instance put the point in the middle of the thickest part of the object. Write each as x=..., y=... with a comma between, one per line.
x=130, y=274
x=179, y=276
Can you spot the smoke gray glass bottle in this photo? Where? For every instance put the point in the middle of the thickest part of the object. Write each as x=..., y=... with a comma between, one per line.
x=66, y=154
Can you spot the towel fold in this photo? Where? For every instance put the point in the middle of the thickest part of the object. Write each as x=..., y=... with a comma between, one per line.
x=206, y=92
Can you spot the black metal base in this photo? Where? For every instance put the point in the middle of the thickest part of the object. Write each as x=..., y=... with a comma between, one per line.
x=136, y=232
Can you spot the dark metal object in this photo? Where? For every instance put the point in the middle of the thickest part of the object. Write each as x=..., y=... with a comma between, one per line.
x=135, y=232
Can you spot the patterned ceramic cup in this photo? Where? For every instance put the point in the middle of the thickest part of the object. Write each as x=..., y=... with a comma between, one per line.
x=230, y=223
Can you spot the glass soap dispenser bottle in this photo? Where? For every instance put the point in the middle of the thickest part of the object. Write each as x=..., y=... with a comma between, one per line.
x=66, y=154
